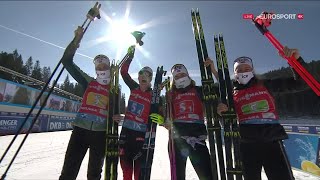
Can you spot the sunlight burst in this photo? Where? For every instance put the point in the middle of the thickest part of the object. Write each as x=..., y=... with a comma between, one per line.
x=118, y=32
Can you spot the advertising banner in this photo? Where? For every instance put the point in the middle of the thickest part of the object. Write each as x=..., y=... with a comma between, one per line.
x=24, y=96
x=303, y=147
x=61, y=110
x=58, y=123
x=10, y=122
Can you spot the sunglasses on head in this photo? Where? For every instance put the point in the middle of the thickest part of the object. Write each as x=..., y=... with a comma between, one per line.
x=177, y=67
x=243, y=60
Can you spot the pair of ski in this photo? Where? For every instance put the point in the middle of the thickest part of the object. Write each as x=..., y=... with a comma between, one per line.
x=229, y=118
x=112, y=136
x=149, y=145
x=212, y=118
x=150, y=136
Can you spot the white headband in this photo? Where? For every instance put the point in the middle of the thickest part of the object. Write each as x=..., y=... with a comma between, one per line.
x=242, y=60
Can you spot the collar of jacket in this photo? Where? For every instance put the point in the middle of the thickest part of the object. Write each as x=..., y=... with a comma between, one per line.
x=238, y=86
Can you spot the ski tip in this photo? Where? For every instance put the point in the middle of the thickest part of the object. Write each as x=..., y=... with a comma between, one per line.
x=163, y=70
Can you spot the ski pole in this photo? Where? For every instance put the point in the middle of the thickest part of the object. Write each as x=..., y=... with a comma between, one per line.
x=150, y=135
x=38, y=98
x=262, y=23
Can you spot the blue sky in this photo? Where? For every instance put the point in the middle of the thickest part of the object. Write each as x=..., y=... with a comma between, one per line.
x=170, y=40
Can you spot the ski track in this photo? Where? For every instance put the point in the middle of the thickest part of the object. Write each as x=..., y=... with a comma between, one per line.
x=42, y=156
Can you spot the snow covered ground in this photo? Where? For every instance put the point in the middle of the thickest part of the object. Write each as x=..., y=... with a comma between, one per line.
x=43, y=153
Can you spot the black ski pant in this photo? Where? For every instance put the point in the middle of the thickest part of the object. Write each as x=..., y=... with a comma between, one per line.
x=199, y=157
x=80, y=140
x=269, y=155
x=130, y=147
x=189, y=141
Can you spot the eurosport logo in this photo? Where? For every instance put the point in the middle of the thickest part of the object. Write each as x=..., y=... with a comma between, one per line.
x=276, y=16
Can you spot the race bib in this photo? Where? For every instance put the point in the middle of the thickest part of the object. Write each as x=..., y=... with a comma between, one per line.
x=135, y=108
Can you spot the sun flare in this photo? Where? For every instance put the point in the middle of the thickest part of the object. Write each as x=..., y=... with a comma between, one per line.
x=120, y=33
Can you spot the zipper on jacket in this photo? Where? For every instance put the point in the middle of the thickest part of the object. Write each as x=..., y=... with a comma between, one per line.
x=91, y=125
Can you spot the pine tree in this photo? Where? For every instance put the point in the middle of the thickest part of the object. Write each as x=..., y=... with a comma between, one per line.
x=78, y=90
x=36, y=72
x=46, y=72
x=29, y=66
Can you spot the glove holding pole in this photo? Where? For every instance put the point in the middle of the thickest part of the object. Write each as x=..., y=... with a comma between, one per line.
x=157, y=118
x=92, y=14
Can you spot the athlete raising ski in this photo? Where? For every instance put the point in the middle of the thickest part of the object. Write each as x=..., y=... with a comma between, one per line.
x=136, y=118
x=189, y=130
x=260, y=130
